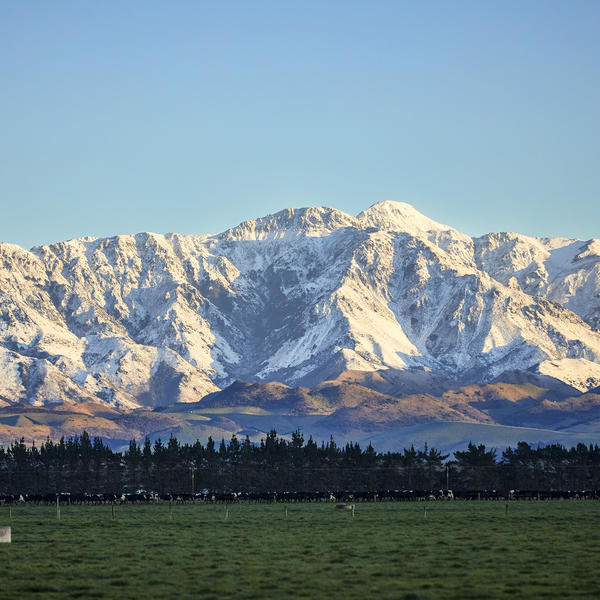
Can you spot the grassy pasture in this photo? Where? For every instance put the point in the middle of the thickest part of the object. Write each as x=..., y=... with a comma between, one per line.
x=388, y=550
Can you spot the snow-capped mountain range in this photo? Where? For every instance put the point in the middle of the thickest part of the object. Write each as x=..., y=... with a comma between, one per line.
x=298, y=297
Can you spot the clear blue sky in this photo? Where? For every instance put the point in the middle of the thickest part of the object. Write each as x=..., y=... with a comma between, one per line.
x=120, y=117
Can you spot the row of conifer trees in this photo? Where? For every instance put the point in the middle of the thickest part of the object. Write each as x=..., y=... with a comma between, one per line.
x=81, y=464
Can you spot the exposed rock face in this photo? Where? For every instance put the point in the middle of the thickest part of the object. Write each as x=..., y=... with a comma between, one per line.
x=298, y=297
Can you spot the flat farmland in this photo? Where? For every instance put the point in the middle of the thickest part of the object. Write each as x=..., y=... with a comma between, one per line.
x=460, y=549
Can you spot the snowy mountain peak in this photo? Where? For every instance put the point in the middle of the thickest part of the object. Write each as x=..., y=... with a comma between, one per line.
x=150, y=319
x=400, y=216
x=313, y=221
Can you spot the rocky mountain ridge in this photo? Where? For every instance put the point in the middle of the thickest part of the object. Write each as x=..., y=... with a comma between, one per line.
x=298, y=297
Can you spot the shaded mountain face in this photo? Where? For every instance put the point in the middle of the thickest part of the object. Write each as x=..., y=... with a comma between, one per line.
x=298, y=297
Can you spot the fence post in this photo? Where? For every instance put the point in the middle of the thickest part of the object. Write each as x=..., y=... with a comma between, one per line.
x=5, y=533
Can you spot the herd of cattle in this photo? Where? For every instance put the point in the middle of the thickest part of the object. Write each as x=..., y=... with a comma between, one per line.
x=207, y=496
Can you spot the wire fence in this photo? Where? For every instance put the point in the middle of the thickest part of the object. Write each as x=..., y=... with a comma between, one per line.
x=307, y=479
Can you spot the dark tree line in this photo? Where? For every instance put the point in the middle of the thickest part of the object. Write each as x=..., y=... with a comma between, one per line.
x=84, y=465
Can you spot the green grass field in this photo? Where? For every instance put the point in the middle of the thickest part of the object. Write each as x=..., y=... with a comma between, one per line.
x=387, y=550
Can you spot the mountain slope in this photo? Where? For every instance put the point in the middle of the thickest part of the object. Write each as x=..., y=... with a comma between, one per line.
x=298, y=297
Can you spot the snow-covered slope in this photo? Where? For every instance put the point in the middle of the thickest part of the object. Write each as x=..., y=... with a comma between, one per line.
x=298, y=297
x=564, y=271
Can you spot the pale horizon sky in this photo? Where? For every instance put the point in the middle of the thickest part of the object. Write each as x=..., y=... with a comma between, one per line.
x=193, y=116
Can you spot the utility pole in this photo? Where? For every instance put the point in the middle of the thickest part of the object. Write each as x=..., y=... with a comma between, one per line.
x=193, y=472
x=447, y=478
